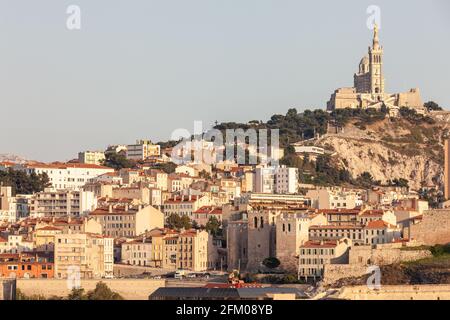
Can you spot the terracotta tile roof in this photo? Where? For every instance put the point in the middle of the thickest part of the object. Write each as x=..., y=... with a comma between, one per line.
x=331, y=227
x=61, y=165
x=319, y=244
x=49, y=228
x=378, y=224
x=209, y=210
x=105, y=211
x=339, y=211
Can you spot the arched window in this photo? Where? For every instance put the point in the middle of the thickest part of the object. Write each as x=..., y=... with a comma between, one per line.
x=256, y=222
x=284, y=227
x=289, y=227
x=261, y=222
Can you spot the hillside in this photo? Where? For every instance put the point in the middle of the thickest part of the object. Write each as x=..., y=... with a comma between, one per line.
x=368, y=147
x=389, y=149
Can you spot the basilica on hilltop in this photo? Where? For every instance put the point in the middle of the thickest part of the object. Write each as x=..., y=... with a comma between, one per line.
x=369, y=87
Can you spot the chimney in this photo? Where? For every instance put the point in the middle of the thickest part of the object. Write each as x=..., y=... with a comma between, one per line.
x=110, y=208
x=126, y=207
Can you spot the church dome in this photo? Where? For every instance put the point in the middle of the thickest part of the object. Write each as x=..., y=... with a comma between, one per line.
x=364, y=60
x=364, y=65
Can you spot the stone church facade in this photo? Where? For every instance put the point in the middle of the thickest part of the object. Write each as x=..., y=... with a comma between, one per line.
x=369, y=86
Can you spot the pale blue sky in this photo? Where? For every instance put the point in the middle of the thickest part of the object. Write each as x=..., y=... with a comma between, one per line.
x=142, y=68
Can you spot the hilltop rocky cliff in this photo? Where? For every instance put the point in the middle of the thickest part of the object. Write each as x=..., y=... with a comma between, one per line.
x=392, y=148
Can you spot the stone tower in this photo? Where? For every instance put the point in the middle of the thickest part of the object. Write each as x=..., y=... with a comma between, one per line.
x=376, y=65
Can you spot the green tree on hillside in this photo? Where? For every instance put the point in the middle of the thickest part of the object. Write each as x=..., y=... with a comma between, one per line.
x=23, y=183
x=117, y=161
x=213, y=226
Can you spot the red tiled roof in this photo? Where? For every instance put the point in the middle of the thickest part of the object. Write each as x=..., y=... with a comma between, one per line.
x=209, y=210
x=378, y=224
x=61, y=165
x=339, y=211
x=319, y=244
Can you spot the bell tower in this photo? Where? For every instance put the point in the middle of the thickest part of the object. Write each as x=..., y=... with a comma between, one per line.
x=376, y=65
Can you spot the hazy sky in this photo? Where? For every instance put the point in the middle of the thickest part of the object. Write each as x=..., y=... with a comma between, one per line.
x=142, y=68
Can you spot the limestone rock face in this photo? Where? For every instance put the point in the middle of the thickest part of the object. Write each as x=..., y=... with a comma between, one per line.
x=391, y=149
x=384, y=163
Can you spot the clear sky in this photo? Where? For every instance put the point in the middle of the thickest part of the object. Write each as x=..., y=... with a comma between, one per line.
x=143, y=68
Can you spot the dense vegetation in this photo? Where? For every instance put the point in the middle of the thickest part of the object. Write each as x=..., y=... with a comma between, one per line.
x=117, y=161
x=23, y=183
x=175, y=221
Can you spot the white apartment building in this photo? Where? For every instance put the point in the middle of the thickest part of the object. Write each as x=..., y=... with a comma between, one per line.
x=67, y=175
x=61, y=203
x=142, y=150
x=281, y=180
x=91, y=157
x=286, y=180
x=264, y=180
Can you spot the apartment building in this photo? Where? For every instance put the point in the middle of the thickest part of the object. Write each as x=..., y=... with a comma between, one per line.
x=286, y=180
x=26, y=265
x=341, y=216
x=128, y=221
x=150, y=249
x=192, y=251
x=62, y=203
x=66, y=175
x=314, y=255
x=91, y=157
x=178, y=182
x=8, y=206
x=264, y=180
x=15, y=244
x=184, y=205
x=380, y=232
x=84, y=254
x=337, y=232
x=140, y=193
x=373, y=215
x=142, y=150
x=329, y=198
x=281, y=180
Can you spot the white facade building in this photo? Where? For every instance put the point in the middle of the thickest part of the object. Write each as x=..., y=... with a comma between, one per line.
x=71, y=176
x=281, y=180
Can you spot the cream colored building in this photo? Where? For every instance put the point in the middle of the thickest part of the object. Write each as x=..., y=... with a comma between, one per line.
x=157, y=248
x=314, y=255
x=91, y=157
x=15, y=244
x=369, y=86
x=128, y=221
x=87, y=255
x=192, y=253
x=8, y=207
x=334, y=198
x=184, y=205
x=142, y=150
